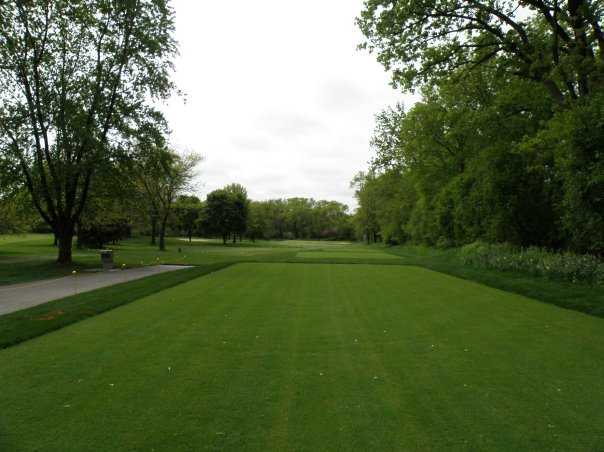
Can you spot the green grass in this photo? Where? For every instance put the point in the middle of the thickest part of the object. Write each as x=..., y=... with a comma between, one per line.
x=578, y=296
x=312, y=357
x=345, y=254
x=31, y=257
x=6, y=239
x=33, y=322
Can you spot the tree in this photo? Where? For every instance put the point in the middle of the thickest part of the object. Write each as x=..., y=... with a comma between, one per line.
x=257, y=221
x=217, y=214
x=330, y=220
x=365, y=216
x=112, y=206
x=458, y=167
x=226, y=212
x=76, y=80
x=187, y=211
x=557, y=44
x=299, y=216
x=573, y=139
x=164, y=175
x=277, y=212
x=16, y=212
x=239, y=209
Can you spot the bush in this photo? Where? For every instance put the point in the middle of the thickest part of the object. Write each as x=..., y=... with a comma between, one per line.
x=536, y=261
x=444, y=242
x=98, y=234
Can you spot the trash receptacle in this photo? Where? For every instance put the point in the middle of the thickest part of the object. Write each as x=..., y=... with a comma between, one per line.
x=107, y=259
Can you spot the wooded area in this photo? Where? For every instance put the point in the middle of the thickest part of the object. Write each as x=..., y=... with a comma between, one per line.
x=506, y=143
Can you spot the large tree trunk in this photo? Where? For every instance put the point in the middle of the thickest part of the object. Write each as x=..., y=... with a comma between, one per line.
x=65, y=239
x=162, y=234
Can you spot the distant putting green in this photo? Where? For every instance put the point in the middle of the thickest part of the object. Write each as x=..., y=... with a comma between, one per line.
x=312, y=357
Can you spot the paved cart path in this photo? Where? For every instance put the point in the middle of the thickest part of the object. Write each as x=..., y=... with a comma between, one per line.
x=20, y=296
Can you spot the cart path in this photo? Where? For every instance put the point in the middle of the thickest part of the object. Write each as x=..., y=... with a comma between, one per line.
x=21, y=296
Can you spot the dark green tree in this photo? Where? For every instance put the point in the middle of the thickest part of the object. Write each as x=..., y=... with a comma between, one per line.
x=557, y=44
x=217, y=216
x=458, y=169
x=239, y=209
x=187, y=211
x=76, y=79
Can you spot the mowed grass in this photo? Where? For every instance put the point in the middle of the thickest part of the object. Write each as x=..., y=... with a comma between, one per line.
x=35, y=321
x=353, y=253
x=31, y=257
x=312, y=357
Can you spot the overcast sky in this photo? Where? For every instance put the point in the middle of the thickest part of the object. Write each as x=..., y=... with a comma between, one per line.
x=278, y=98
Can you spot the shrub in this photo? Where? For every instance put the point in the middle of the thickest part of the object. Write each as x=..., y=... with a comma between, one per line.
x=98, y=234
x=444, y=242
x=536, y=261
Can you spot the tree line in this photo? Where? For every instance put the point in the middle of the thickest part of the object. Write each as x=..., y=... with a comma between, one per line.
x=507, y=142
x=229, y=214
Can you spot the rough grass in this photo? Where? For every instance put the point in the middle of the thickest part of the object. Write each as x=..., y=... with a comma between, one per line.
x=587, y=298
x=312, y=357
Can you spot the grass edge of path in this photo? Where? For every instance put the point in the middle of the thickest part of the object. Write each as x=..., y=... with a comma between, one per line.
x=20, y=326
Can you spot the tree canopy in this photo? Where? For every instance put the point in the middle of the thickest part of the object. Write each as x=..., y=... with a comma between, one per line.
x=506, y=143
x=226, y=212
x=76, y=81
x=486, y=158
x=557, y=44
x=164, y=175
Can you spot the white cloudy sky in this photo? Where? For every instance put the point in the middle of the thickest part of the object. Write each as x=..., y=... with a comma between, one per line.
x=278, y=97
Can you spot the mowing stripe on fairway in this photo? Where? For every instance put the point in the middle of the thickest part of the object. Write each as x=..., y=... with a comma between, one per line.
x=32, y=322
x=312, y=357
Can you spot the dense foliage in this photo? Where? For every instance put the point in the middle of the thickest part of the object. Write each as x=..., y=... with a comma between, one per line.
x=77, y=80
x=17, y=213
x=564, y=266
x=228, y=213
x=299, y=218
x=559, y=45
x=225, y=213
x=491, y=152
x=186, y=213
x=97, y=235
